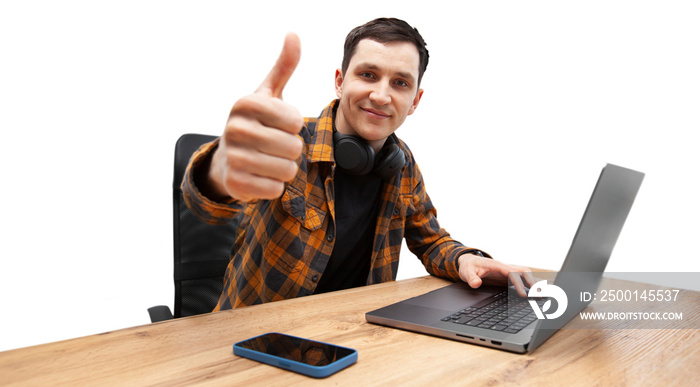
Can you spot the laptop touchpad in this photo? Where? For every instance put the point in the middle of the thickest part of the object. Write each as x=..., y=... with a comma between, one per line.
x=453, y=297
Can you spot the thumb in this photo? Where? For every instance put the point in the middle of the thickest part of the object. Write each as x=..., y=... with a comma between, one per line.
x=284, y=67
x=474, y=280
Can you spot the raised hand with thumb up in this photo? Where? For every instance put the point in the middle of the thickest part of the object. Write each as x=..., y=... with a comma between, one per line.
x=258, y=151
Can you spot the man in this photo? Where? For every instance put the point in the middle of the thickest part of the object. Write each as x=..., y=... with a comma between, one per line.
x=324, y=203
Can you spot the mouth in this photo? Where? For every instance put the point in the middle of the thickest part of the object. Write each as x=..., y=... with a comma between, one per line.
x=376, y=113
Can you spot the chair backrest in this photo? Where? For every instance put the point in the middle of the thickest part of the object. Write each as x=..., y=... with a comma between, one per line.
x=202, y=251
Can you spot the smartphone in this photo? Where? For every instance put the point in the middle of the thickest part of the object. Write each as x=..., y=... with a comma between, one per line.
x=308, y=357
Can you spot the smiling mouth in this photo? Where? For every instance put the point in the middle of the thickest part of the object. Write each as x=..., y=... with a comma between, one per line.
x=376, y=113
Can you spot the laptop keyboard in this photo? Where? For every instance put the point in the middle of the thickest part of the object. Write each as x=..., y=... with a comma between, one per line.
x=499, y=312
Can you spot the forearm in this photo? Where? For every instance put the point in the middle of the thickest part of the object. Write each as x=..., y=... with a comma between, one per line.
x=442, y=256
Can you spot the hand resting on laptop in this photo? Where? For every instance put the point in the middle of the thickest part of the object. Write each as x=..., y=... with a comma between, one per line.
x=476, y=270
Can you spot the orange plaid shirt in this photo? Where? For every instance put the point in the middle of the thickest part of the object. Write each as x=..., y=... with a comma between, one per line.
x=283, y=245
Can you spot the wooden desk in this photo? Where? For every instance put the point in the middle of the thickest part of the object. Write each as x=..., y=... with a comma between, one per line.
x=198, y=350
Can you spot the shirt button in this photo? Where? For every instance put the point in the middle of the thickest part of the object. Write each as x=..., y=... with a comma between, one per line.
x=314, y=277
x=329, y=237
x=396, y=211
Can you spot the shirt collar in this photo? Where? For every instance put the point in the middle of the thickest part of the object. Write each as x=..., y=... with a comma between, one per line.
x=321, y=147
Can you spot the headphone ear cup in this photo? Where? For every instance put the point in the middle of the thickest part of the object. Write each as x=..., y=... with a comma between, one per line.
x=352, y=155
x=390, y=161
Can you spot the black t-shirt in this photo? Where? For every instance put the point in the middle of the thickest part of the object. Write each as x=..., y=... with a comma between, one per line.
x=356, y=210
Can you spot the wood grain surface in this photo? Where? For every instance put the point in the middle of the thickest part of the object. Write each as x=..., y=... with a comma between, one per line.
x=198, y=351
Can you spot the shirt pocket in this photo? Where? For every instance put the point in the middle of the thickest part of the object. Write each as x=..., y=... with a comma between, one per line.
x=295, y=205
x=404, y=207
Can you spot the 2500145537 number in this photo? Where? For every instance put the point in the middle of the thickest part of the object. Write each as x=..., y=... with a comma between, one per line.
x=654, y=295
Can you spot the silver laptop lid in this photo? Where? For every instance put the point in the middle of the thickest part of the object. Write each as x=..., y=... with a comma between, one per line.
x=593, y=244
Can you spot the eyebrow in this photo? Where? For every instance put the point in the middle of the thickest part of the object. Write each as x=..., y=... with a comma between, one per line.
x=372, y=66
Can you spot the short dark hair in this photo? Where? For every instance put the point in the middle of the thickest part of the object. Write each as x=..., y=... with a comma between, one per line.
x=386, y=30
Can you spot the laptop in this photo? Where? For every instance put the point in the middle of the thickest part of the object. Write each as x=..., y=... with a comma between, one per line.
x=476, y=316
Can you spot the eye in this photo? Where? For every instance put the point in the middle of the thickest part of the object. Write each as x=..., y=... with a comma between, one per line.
x=366, y=74
x=401, y=83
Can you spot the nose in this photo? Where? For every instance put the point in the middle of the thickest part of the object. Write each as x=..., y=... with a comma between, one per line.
x=380, y=95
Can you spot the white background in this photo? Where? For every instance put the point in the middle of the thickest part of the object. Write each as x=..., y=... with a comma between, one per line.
x=525, y=102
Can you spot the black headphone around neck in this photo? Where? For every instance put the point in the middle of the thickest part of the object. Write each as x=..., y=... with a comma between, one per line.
x=356, y=157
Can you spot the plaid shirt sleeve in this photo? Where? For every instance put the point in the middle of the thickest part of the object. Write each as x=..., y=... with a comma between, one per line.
x=207, y=210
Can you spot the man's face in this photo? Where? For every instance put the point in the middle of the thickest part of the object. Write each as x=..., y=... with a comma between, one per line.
x=379, y=89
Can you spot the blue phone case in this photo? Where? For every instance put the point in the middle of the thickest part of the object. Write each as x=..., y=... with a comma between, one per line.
x=292, y=365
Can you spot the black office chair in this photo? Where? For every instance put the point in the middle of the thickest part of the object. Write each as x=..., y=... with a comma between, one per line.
x=202, y=251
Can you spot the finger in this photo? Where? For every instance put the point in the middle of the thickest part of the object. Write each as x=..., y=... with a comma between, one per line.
x=245, y=186
x=516, y=280
x=280, y=144
x=525, y=274
x=529, y=278
x=270, y=112
x=274, y=83
x=260, y=164
x=251, y=134
x=473, y=279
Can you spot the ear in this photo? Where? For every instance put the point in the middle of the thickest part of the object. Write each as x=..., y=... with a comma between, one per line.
x=416, y=100
x=339, y=83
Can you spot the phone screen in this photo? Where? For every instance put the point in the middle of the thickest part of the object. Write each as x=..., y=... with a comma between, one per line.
x=313, y=353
